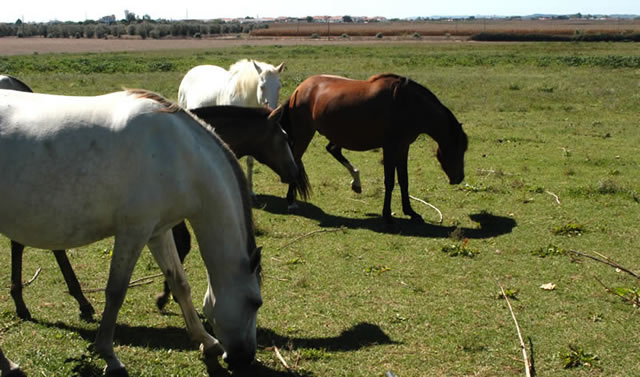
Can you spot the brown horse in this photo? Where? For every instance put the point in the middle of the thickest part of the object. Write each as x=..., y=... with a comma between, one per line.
x=386, y=111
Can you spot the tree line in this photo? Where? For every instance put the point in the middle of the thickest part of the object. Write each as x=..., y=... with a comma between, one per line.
x=144, y=28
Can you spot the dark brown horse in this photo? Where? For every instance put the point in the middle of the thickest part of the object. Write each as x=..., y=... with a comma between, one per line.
x=386, y=111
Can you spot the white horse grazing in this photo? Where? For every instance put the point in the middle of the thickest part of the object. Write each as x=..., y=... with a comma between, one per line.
x=247, y=83
x=132, y=165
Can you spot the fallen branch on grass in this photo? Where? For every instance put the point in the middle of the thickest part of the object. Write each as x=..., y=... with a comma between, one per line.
x=428, y=204
x=606, y=260
x=555, y=196
x=133, y=283
x=309, y=234
x=635, y=301
x=527, y=364
x=35, y=276
x=283, y=361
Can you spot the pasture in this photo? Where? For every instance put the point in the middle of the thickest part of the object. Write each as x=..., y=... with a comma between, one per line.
x=552, y=165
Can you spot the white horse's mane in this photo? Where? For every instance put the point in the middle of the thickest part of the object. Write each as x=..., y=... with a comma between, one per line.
x=244, y=74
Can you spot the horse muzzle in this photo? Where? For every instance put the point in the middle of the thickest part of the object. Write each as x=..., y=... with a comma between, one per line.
x=239, y=358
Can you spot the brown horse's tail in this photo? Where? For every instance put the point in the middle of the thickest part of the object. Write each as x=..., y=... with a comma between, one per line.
x=302, y=186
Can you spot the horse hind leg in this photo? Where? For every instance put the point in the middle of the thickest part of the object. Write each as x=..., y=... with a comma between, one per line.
x=86, y=310
x=16, y=281
x=336, y=152
x=182, y=239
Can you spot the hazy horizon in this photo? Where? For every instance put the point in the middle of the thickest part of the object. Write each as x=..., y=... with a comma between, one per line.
x=74, y=10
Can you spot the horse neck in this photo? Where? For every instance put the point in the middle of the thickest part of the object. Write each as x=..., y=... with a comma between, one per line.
x=242, y=139
x=244, y=85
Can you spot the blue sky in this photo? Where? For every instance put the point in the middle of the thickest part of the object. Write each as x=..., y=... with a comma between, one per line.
x=75, y=10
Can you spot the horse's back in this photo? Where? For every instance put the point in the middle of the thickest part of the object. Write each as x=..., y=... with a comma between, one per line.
x=201, y=85
x=353, y=114
x=87, y=163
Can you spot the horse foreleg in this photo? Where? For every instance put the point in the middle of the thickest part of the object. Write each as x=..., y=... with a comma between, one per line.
x=403, y=181
x=250, y=177
x=16, y=281
x=8, y=368
x=336, y=152
x=182, y=239
x=126, y=251
x=163, y=250
x=389, y=181
x=86, y=310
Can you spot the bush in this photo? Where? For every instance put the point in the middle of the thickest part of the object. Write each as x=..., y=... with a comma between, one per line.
x=315, y=36
x=197, y=36
x=379, y=35
x=417, y=35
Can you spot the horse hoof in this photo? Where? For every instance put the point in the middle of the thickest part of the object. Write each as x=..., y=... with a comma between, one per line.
x=87, y=312
x=24, y=315
x=417, y=219
x=356, y=189
x=120, y=372
x=161, y=301
x=16, y=373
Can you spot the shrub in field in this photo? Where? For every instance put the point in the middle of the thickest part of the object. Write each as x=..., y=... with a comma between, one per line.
x=576, y=357
x=315, y=36
x=379, y=35
x=570, y=229
x=416, y=36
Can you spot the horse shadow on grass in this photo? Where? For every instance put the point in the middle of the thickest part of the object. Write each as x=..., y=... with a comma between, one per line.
x=490, y=225
x=360, y=336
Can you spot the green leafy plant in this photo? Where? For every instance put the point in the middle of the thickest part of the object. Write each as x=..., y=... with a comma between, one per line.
x=570, y=229
x=377, y=270
x=577, y=357
x=549, y=251
x=510, y=293
x=460, y=250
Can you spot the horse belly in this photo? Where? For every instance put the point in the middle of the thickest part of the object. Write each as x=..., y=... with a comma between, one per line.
x=353, y=130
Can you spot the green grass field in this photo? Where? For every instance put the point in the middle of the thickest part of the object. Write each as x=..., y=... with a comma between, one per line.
x=343, y=296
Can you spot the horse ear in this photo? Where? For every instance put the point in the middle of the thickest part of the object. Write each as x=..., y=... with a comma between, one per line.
x=256, y=258
x=280, y=68
x=258, y=69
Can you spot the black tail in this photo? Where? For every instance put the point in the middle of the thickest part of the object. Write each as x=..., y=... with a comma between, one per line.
x=302, y=186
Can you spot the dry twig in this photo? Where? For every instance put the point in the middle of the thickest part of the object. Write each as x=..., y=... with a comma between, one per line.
x=606, y=260
x=35, y=276
x=635, y=302
x=283, y=361
x=527, y=364
x=555, y=196
x=428, y=204
x=133, y=283
x=309, y=234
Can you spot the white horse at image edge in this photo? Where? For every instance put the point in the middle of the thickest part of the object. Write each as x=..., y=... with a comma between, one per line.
x=132, y=165
x=247, y=83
